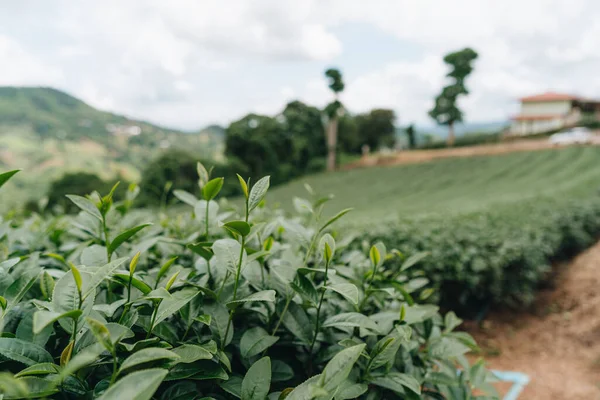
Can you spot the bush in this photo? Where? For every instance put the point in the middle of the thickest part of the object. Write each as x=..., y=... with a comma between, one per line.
x=79, y=183
x=470, y=139
x=498, y=257
x=218, y=305
x=176, y=170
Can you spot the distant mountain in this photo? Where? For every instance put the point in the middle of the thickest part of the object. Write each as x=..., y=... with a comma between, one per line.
x=47, y=132
x=216, y=130
x=51, y=113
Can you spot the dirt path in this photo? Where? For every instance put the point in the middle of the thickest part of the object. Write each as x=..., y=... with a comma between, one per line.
x=417, y=156
x=558, y=343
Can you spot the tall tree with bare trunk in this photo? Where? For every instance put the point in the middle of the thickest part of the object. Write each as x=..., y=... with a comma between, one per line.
x=332, y=112
x=445, y=110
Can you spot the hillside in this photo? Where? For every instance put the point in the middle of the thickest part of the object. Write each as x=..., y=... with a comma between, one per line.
x=454, y=185
x=47, y=132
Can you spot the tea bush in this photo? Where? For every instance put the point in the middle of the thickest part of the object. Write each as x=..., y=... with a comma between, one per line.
x=213, y=304
x=496, y=257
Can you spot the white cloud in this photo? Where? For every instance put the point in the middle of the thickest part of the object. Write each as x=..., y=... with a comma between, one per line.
x=192, y=62
x=19, y=67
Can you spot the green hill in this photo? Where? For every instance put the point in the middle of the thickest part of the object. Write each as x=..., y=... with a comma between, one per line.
x=452, y=186
x=47, y=132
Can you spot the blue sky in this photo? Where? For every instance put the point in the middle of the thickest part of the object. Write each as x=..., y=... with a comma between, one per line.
x=189, y=63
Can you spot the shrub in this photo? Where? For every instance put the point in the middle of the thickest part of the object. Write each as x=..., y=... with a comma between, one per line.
x=497, y=257
x=176, y=170
x=470, y=139
x=220, y=306
x=79, y=183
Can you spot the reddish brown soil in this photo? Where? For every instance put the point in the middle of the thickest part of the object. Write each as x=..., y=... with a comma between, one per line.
x=557, y=341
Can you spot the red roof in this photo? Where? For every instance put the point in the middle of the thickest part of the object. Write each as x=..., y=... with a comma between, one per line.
x=549, y=96
x=540, y=117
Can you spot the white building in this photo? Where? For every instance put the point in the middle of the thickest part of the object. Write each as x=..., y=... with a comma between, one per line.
x=552, y=111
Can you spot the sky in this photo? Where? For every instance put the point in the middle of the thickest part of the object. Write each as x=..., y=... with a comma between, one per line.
x=190, y=63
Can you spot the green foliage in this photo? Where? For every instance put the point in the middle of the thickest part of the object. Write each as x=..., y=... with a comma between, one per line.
x=501, y=258
x=445, y=110
x=412, y=136
x=466, y=140
x=177, y=170
x=493, y=225
x=255, y=306
x=77, y=183
x=376, y=128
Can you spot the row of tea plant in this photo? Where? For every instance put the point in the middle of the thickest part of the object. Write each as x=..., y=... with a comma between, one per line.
x=209, y=303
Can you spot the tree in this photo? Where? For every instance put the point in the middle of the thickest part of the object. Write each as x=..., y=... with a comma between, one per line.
x=332, y=112
x=445, y=110
x=305, y=126
x=376, y=128
x=349, y=140
x=412, y=138
x=263, y=145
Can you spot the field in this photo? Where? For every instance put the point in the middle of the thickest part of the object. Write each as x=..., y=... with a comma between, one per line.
x=454, y=185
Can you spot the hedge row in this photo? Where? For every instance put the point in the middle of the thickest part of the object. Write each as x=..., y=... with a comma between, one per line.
x=499, y=257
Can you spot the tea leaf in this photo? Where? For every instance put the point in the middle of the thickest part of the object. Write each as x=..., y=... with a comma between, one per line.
x=212, y=188
x=185, y=197
x=39, y=369
x=258, y=192
x=171, y=280
x=124, y=236
x=23, y=352
x=296, y=322
x=347, y=290
x=240, y=227
x=337, y=370
x=397, y=381
x=351, y=320
x=139, y=385
x=199, y=370
x=165, y=267
x=5, y=176
x=243, y=185
x=413, y=259
x=265, y=295
x=227, y=251
x=77, y=277
x=136, y=283
x=335, y=218
x=100, y=275
x=202, y=249
x=170, y=306
x=82, y=359
x=257, y=381
x=254, y=341
x=349, y=390
x=189, y=353
x=202, y=174
x=147, y=355
x=65, y=356
x=101, y=333
x=46, y=285
x=86, y=205
x=42, y=319
x=219, y=320
x=305, y=288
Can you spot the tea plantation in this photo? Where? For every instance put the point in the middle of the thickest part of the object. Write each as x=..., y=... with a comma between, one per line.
x=215, y=303
x=492, y=225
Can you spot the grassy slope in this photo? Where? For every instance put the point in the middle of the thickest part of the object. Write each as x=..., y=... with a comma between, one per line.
x=453, y=185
